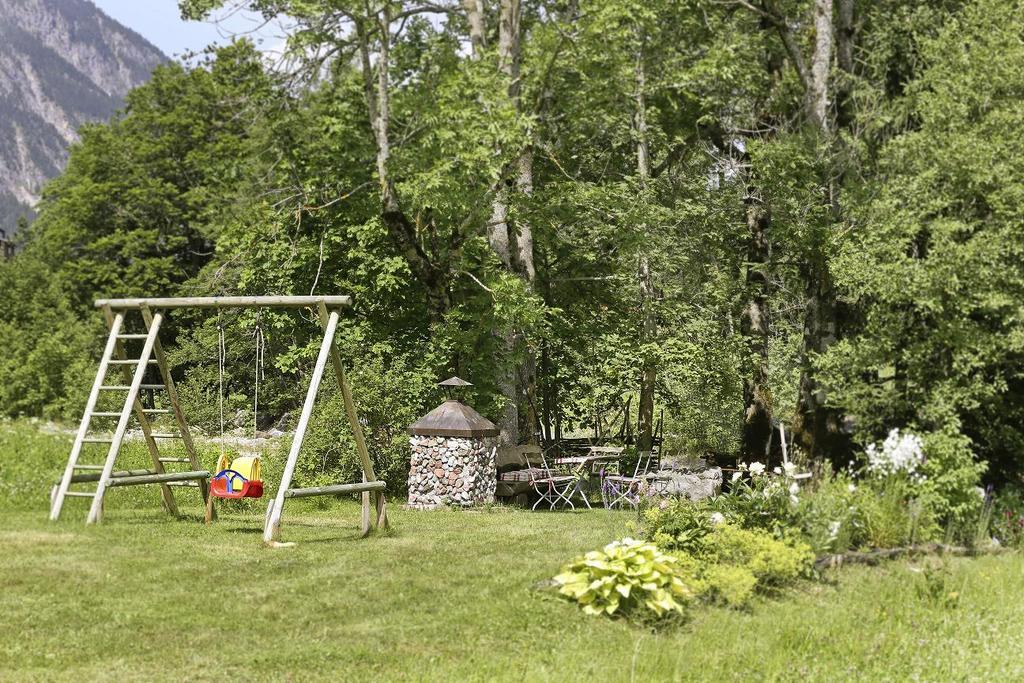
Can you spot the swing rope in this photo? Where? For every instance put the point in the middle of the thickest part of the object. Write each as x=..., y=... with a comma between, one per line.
x=221, y=353
x=261, y=347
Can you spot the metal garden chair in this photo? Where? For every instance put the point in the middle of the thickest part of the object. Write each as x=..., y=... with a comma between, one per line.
x=617, y=489
x=552, y=487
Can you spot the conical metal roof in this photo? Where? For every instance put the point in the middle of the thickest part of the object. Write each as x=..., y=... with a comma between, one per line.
x=454, y=418
x=454, y=382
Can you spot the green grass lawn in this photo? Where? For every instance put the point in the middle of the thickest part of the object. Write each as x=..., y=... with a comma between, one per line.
x=449, y=596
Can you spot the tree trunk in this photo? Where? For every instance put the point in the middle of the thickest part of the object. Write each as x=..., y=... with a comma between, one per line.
x=757, y=398
x=649, y=324
x=513, y=244
x=816, y=427
x=817, y=93
x=475, y=16
x=400, y=229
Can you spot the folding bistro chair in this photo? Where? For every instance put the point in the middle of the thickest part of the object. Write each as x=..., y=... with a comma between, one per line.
x=552, y=487
x=618, y=489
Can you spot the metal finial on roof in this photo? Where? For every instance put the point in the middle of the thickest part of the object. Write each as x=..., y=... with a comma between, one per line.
x=454, y=381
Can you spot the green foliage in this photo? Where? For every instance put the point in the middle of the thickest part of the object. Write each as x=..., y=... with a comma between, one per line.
x=830, y=516
x=772, y=561
x=892, y=516
x=950, y=490
x=1008, y=517
x=227, y=177
x=932, y=261
x=625, y=577
x=731, y=585
x=721, y=561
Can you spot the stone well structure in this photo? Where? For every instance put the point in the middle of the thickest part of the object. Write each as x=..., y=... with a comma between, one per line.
x=453, y=450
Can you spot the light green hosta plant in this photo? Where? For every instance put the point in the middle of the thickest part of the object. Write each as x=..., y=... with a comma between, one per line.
x=624, y=575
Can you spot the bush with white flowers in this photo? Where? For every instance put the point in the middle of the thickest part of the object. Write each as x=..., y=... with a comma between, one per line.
x=900, y=453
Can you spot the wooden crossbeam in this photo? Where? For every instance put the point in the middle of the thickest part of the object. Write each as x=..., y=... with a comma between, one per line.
x=158, y=478
x=226, y=302
x=335, y=489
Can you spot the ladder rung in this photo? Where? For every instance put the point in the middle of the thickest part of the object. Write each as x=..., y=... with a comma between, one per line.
x=174, y=460
x=130, y=361
x=88, y=467
x=166, y=436
x=80, y=494
x=156, y=411
x=96, y=439
x=125, y=387
x=133, y=336
x=106, y=414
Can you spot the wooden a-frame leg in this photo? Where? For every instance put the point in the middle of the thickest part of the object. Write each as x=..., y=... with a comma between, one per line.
x=380, y=518
x=166, y=493
x=272, y=528
x=365, y=526
x=179, y=416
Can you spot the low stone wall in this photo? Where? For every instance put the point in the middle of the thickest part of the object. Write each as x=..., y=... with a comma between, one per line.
x=451, y=471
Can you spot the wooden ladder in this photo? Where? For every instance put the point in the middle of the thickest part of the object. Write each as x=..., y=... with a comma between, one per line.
x=133, y=371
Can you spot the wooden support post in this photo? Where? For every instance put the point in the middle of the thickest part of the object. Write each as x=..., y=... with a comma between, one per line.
x=357, y=430
x=272, y=530
x=179, y=416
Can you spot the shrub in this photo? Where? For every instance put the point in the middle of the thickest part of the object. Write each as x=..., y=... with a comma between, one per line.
x=1008, y=517
x=623, y=577
x=679, y=524
x=830, y=517
x=952, y=474
x=765, y=500
x=720, y=561
x=893, y=515
x=730, y=585
x=774, y=562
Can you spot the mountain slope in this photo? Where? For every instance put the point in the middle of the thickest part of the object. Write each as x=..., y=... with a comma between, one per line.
x=62, y=63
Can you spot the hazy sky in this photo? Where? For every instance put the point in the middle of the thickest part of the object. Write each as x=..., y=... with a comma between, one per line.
x=159, y=22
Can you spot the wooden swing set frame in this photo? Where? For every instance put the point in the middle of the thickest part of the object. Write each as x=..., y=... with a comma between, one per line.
x=115, y=354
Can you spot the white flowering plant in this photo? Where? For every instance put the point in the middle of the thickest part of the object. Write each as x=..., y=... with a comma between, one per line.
x=899, y=454
x=763, y=498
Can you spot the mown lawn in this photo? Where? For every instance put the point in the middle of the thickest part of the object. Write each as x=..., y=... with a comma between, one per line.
x=451, y=596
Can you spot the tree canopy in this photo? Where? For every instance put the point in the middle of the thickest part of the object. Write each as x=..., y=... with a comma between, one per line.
x=719, y=213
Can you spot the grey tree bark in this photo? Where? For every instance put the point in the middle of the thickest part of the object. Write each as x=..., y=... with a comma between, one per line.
x=513, y=242
x=401, y=230
x=754, y=326
x=821, y=62
x=645, y=281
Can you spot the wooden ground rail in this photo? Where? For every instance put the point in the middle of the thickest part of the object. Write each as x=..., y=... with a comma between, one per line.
x=335, y=489
x=134, y=370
